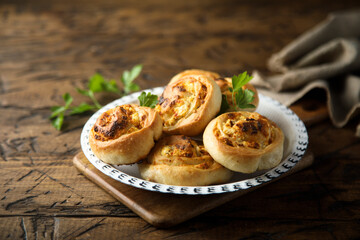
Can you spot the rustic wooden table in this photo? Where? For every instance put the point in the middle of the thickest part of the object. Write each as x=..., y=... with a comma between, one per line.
x=48, y=48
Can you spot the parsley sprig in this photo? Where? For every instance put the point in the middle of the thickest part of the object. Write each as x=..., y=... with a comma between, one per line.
x=241, y=99
x=148, y=100
x=97, y=83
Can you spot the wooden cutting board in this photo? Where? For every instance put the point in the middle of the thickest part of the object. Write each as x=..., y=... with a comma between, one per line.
x=166, y=210
x=162, y=209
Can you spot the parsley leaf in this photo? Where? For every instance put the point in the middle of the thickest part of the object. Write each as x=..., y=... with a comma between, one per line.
x=68, y=99
x=58, y=121
x=240, y=80
x=148, y=100
x=89, y=93
x=242, y=98
x=83, y=92
x=128, y=77
x=111, y=86
x=58, y=112
x=96, y=83
x=83, y=107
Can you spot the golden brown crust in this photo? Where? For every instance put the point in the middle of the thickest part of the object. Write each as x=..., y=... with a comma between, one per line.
x=179, y=160
x=188, y=104
x=125, y=134
x=226, y=83
x=244, y=141
x=211, y=75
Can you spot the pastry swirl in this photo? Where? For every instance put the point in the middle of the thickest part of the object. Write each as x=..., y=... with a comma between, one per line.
x=179, y=160
x=244, y=141
x=211, y=75
x=188, y=104
x=125, y=134
x=226, y=83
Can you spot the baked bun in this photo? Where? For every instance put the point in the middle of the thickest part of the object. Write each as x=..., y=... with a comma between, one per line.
x=244, y=141
x=179, y=160
x=208, y=74
x=125, y=134
x=188, y=104
x=226, y=83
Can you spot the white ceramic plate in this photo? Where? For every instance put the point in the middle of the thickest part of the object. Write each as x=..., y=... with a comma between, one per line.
x=296, y=141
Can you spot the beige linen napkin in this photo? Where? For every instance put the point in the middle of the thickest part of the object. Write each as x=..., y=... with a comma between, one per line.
x=326, y=57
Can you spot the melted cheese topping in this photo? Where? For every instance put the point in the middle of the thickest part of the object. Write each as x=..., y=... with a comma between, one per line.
x=183, y=151
x=118, y=121
x=188, y=97
x=249, y=130
x=187, y=149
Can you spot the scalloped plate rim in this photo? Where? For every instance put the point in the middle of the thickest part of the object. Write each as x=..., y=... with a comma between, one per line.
x=288, y=162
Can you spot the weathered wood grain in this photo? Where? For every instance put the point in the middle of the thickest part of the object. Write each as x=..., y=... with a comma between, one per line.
x=203, y=227
x=48, y=48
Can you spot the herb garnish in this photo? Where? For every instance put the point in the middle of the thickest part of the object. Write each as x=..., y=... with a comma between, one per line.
x=97, y=83
x=148, y=100
x=240, y=98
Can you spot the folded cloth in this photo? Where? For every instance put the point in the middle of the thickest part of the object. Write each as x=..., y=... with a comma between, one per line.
x=326, y=57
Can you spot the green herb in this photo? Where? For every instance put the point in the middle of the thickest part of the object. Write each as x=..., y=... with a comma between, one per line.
x=128, y=78
x=83, y=107
x=97, y=83
x=242, y=98
x=58, y=112
x=224, y=104
x=148, y=100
